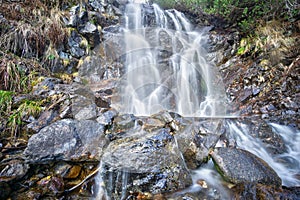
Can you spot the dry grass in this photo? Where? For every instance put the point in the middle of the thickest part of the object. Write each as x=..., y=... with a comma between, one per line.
x=33, y=31
x=270, y=39
x=17, y=74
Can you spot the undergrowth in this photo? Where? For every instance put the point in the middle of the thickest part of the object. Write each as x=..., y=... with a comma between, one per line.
x=16, y=120
x=14, y=117
x=31, y=34
x=5, y=102
x=17, y=74
x=241, y=13
x=269, y=39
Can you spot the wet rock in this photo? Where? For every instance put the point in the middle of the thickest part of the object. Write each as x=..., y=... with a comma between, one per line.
x=150, y=163
x=51, y=184
x=123, y=122
x=114, y=42
x=164, y=116
x=195, y=141
x=13, y=171
x=258, y=128
x=67, y=171
x=151, y=124
x=259, y=191
x=67, y=139
x=240, y=166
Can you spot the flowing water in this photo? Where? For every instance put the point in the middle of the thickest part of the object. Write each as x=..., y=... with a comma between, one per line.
x=166, y=69
x=287, y=165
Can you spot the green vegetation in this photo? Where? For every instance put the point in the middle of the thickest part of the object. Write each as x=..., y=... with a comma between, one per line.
x=17, y=74
x=26, y=109
x=269, y=40
x=243, y=13
x=13, y=116
x=5, y=102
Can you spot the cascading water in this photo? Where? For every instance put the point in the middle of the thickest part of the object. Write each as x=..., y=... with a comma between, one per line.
x=286, y=164
x=166, y=69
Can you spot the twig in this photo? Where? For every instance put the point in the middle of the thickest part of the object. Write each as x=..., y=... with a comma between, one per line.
x=83, y=181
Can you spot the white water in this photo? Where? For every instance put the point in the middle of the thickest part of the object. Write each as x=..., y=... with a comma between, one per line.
x=183, y=82
x=289, y=171
x=166, y=67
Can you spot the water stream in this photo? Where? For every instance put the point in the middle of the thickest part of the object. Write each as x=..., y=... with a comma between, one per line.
x=166, y=69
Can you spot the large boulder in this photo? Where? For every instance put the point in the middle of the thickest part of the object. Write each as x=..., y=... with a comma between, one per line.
x=240, y=166
x=145, y=161
x=67, y=139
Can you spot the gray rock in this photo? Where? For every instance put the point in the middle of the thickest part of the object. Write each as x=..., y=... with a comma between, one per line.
x=241, y=166
x=45, y=119
x=91, y=69
x=14, y=171
x=259, y=191
x=196, y=140
x=74, y=43
x=96, y=5
x=83, y=104
x=46, y=86
x=67, y=139
x=107, y=117
x=150, y=160
x=123, y=122
x=85, y=112
x=89, y=28
x=74, y=20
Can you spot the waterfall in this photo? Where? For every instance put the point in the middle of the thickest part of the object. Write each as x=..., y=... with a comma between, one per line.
x=165, y=66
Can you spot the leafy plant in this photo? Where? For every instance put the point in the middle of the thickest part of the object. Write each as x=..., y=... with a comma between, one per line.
x=5, y=102
x=26, y=109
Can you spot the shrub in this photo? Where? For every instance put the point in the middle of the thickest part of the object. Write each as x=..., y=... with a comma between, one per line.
x=244, y=13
